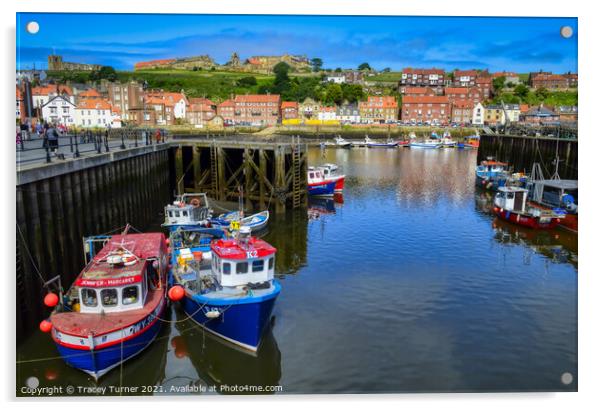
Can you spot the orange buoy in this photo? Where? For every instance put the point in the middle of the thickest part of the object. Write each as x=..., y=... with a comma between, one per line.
x=51, y=299
x=45, y=326
x=51, y=374
x=176, y=293
x=179, y=345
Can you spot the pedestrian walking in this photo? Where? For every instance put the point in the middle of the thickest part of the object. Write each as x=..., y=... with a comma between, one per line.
x=52, y=136
x=25, y=131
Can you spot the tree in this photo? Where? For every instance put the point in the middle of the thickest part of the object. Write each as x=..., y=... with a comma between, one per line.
x=521, y=91
x=542, y=93
x=282, y=82
x=498, y=83
x=386, y=70
x=316, y=64
x=338, y=70
x=334, y=94
x=105, y=73
x=364, y=66
x=246, y=81
x=352, y=92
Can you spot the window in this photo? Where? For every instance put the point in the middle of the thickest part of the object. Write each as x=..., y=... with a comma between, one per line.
x=242, y=267
x=257, y=266
x=510, y=195
x=89, y=297
x=176, y=214
x=271, y=263
x=108, y=297
x=226, y=268
x=184, y=213
x=129, y=295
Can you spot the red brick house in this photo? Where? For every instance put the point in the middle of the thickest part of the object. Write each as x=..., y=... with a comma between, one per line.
x=257, y=109
x=379, y=109
x=465, y=78
x=572, y=78
x=289, y=110
x=200, y=111
x=418, y=91
x=422, y=77
x=548, y=80
x=226, y=111
x=473, y=94
x=425, y=109
x=485, y=84
x=461, y=111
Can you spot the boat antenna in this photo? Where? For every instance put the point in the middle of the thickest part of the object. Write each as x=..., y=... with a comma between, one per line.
x=126, y=229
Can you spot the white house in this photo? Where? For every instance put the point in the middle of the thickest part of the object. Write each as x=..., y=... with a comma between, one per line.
x=337, y=78
x=42, y=94
x=348, y=113
x=327, y=113
x=94, y=113
x=178, y=100
x=59, y=110
x=478, y=114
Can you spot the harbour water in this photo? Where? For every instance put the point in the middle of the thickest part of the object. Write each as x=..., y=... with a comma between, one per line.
x=405, y=284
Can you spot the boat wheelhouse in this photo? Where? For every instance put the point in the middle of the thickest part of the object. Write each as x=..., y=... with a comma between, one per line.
x=232, y=294
x=331, y=173
x=318, y=185
x=447, y=141
x=188, y=210
x=491, y=174
x=342, y=142
x=510, y=204
x=113, y=310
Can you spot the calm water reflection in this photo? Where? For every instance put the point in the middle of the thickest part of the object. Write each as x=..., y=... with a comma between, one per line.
x=405, y=284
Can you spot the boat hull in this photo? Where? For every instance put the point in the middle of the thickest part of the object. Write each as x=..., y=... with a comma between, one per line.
x=339, y=183
x=242, y=321
x=524, y=220
x=427, y=146
x=570, y=221
x=325, y=188
x=99, y=361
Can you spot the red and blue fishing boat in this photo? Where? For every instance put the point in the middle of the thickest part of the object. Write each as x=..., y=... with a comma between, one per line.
x=491, y=174
x=113, y=310
x=510, y=204
x=231, y=291
x=331, y=173
x=317, y=185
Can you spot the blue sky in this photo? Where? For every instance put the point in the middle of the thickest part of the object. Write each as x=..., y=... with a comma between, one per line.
x=120, y=40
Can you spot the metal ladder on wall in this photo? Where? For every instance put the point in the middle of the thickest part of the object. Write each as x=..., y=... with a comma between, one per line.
x=296, y=164
x=213, y=161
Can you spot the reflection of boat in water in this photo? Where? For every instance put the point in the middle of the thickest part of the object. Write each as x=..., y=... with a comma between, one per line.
x=560, y=246
x=226, y=366
x=318, y=206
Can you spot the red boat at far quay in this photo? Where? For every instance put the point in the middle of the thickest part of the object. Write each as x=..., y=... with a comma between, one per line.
x=510, y=204
x=331, y=173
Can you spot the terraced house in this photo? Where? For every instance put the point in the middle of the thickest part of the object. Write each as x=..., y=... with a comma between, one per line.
x=379, y=109
x=257, y=109
x=422, y=77
x=425, y=110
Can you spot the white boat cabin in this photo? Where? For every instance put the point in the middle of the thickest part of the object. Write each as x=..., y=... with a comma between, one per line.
x=328, y=170
x=314, y=175
x=511, y=198
x=238, y=262
x=188, y=209
x=116, y=284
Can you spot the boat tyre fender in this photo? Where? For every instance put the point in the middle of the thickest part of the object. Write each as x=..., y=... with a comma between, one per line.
x=195, y=202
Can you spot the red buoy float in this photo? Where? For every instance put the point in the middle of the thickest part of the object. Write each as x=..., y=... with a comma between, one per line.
x=45, y=326
x=167, y=242
x=51, y=299
x=176, y=293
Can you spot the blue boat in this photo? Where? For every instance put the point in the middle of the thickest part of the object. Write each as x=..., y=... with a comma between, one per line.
x=230, y=292
x=317, y=185
x=115, y=308
x=188, y=210
x=491, y=174
x=255, y=222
